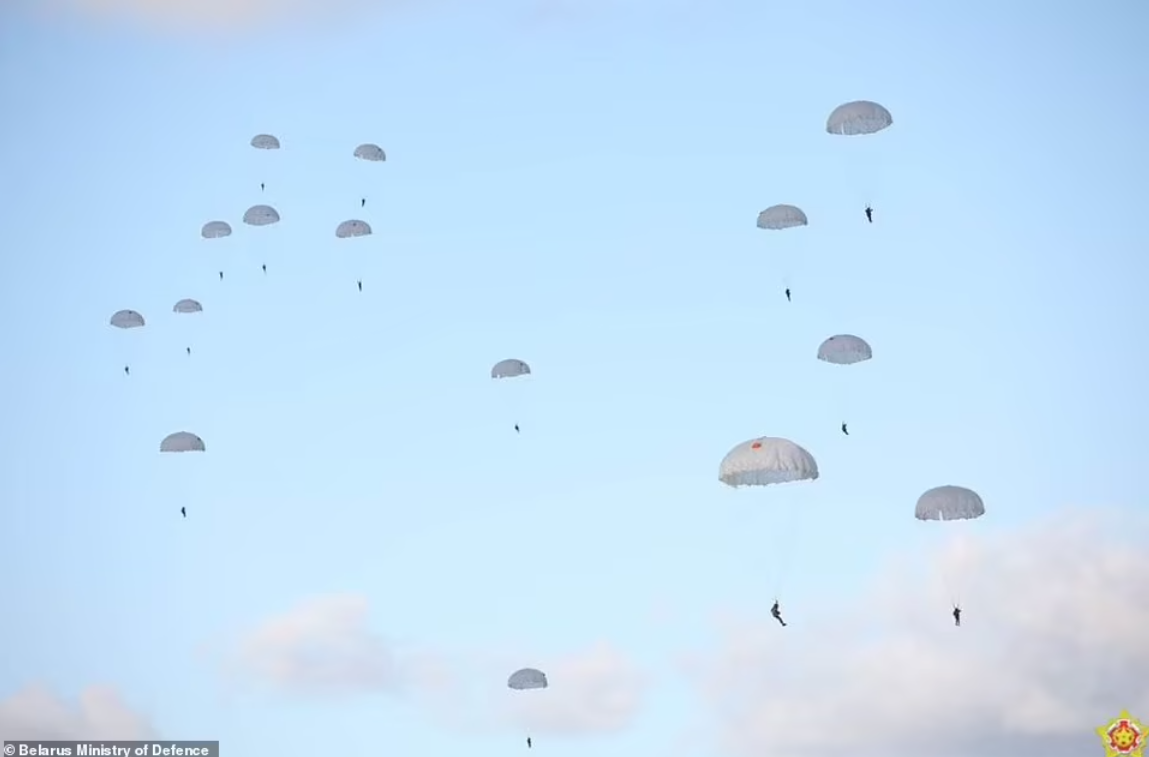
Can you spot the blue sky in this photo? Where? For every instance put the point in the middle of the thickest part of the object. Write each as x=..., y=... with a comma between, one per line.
x=579, y=193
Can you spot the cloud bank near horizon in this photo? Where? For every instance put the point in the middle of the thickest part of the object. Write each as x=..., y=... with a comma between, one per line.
x=1053, y=642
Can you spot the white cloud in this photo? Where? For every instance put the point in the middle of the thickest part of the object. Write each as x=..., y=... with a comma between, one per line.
x=325, y=646
x=321, y=646
x=35, y=713
x=1054, y=640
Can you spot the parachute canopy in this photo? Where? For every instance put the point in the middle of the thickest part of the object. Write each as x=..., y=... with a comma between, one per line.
x=126, y=319
x=767, y=460
x=510, y=369
x=261, y=215
x=187, y=306
x=352, y=228
x=949, y=503
x=845, y=349
x=215, y=230
x=527, y=678
x=857, y=118
x=370, y=152
x=778, y=217
x=265, y=142
x=182, y=441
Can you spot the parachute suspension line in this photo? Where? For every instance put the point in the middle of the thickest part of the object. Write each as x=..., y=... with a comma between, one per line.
x=861, y=176
x=788, y=542
x=956, y=539
x=512, y=376
x=793, y=258
x=768, y=461
x=844, y=352
x=513, y=418
x=349, y=237
x=781, y=223
x=855, y=124
x=944, y=505
x=842, y=391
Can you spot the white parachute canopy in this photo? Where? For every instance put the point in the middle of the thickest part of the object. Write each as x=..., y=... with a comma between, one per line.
x=510, y=369
x=352, y=228
x=845, y=349
x=187, y=306
x=526, y=679
x=778, y=217
x=857, y=118
x=182, y=441
x=265, y=142
x=949, y=503
x=370, y=152
x=261, y=215
x=126, y=319
x=215, y=230
x=767, y=460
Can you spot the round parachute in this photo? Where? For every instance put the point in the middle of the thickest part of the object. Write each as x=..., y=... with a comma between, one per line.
x=510, y=369
x=126, y=319
x=767, y=460
x=352, y=228
x=182, y=441
x=778, y=217
x=949, y=503
x=215, y=230
x=857, y=118
x=261, y=215
x=187, y=306
x=370, y=152
x=527, y=678
x=265, y=142
x=845, y=349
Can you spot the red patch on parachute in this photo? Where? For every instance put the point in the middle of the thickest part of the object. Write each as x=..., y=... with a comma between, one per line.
x=756, y=445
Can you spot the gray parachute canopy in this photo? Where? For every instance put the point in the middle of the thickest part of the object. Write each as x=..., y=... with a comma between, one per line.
x=215, y=230
x=767, y=460
x=265, y=142
x=352, y=228
x=949, y=503
x=778, y=217
x=527, y=678
x=510, y=369
x=857, y=118
x=182, y=441
x=370, y=152
x=845, y=349
x=126, y=319
x=187, y=306
x=261, y=215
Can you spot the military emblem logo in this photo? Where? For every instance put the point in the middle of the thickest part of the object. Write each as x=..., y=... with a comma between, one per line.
x=1124, y=736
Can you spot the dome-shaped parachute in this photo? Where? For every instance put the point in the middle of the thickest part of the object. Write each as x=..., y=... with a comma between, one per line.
x=126, y=319
x=370, y=152
x=857, y=118
x=778, y=217
x=949, y=503
x=182, y=441
x=187, y=306
x=767, y=460
x=845, y=349
x=352, y=228
x=510, y=369
x=265, y=142
x=215, y=230
x=526, y=679
x=261, y=215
